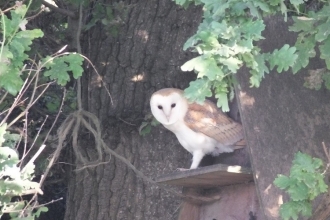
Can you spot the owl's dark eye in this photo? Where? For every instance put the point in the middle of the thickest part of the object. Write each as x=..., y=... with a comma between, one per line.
x=173, y=105
x=160, y=107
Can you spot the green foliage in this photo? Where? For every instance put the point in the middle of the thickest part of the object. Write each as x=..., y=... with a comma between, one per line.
x=15, y=42
x=110, y=16
x=53, y=101
x=16, y=68
x=312, y=28
x=225, y=41
x=305, y=182
x=147, y=124
x=283, y=58
x=58, y=67
x=102, y=14
x=14, y=181
x=200, y=89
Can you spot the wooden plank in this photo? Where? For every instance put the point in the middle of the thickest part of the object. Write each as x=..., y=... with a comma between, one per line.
x=237, y=202
x=207, y=177
x=280, y=118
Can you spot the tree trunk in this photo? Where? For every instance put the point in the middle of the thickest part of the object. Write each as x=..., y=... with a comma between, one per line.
x=145, y=55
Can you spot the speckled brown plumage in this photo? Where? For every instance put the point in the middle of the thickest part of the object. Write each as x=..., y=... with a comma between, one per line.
x=211, y=121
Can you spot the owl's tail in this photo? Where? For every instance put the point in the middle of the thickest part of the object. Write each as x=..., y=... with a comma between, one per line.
x=239, y=145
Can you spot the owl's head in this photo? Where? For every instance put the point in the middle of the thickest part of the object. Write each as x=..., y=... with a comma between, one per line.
x=168, y=105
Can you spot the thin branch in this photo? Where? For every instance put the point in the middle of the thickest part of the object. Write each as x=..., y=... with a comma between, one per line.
x=57, y=116
x=34, y=157
x=56, y=200
x=101, y=78
x=126, y=122
x=16, y=100
x=8, y=9
x=32, y=102
x=79, y=102
x=34, y=141
x=26, y=192
x=36, y=15
x=3, y=98
x=19, y=131
x=18, y=104
x=43, y=177
x=327, y=154
x=26, y=135
x=60, y=10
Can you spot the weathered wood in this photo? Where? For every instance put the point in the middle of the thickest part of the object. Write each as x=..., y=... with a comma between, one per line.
x=189, y=211
x=280, y=118
x=190, y=207
x=322, y=211
x=207, y=177
x=239, y=201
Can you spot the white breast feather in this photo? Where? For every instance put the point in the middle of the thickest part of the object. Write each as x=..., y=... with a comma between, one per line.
x=195, y=141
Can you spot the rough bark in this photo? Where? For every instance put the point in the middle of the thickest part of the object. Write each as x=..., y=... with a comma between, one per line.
x=143, y=57
x=280, y=118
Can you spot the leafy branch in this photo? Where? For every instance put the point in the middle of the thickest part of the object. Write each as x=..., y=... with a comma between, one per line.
x=304, y=184
x=225, y=41
x=28, y=80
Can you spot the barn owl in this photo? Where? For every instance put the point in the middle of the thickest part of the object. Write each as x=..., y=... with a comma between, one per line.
x=200, y=128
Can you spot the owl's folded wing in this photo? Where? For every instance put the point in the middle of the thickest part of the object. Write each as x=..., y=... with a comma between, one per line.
x=211, y=121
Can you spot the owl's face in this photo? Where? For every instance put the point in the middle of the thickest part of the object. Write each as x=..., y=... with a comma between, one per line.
x=168, y=106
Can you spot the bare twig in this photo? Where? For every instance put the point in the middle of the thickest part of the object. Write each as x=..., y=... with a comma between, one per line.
x=35, y=139
x=24, y=88
x=32, y=102
x=18, y=104
x=327, y=154
x=92, y=165
x=19, y=131
x=35, y=206
x=326, y=151
x=8, y=9
x=42, y=147
x=57, y=116
x=60, y=10
x=126, y=122
x=17, y=99
x=38, y=190
x=26, y=134
x=43, y=177
x=26, y=192
x=80, y=52
x=104, y=84
x=36, y=15
x=60, y=50
x=50, y=164
x=3, y=97
x=56, y=200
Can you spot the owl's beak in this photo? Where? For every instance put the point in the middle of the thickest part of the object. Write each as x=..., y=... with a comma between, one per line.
x=167, y=117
